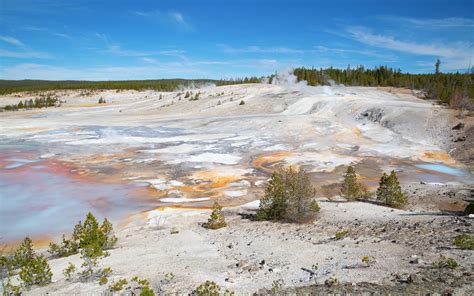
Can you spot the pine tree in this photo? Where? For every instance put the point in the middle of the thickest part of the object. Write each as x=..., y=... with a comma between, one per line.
x=350, y=187
x=36, y=272
x=24, y=253
x=288, y=196
x=438, y=63
x=390, y=192
x=217, y=219
x=20, y=105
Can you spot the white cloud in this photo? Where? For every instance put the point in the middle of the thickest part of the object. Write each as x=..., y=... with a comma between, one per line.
x=26, y=54
x=173, y=17
x=62, y=35
x=11, y=41
x=117, y=50
x=439, y=23
x=454, y=54
x=344, y=51
x=258, y=49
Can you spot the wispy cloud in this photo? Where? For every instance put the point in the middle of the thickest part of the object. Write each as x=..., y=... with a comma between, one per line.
x=48, y=31
x=172, y=17
x=11, y=41
x=62, y=35
x=117, y=50
x=26, y=54
x=348, y=51
x=454, y=54
x=431, y=22
x=21, y=50
x=259, y=49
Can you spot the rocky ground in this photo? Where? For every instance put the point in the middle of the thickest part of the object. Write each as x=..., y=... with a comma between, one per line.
x=250, y=256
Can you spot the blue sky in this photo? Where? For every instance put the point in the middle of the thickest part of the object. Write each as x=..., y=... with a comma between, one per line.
x=108, y=40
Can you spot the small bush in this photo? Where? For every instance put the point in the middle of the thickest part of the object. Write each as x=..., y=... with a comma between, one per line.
x=141, y=285
x=289, y=196
x=217, y=219
x=340, y=234
x=210, y=288
x=367, y=260
x=332, y=281
x=277, y=285
x=390, y=192
x=103, y=280
x=118, y=285
x=36, y=272
x=351, y=189
x=444, y=262
x=23, y=254
x=242, y=103
x=69, y=271
x=67, y=248
x=464, y=241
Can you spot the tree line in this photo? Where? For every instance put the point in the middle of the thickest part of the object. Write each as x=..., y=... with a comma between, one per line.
x=12, y=86
x=42, y=102
x=454, y=89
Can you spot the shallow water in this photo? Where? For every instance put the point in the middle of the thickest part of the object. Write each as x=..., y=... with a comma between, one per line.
x=442, y=169
x=43, y=198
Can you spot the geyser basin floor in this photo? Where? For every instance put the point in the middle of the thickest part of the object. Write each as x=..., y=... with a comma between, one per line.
x=205, y=150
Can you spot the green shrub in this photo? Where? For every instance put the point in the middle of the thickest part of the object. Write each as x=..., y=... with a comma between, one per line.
x=103, y=280
x=89, y=233
x=367, y=260
x=23, y=254
x=36, y=272
x=390, y=192
x=340, y=234
x=210, y=288
x=217, y=218
x=69, y=271
x=277, y=285
x=143, y=286
x=445, y=262
x=332, y=281
x=351, y=189
x=67, y=248
x=289, y=196
x=242, y=103
x=118, y=285
x=464, y=241
x=90, y=259
x=147, y=291
x=108, y=231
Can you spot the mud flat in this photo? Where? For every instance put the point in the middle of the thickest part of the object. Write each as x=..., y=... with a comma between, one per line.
x=157, y=161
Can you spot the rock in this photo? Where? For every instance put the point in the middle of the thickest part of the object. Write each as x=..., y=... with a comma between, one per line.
x=414, y=261
x=458, y=126
x=460, y=139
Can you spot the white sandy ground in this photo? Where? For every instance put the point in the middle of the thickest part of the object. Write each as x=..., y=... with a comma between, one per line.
x=246, y=255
